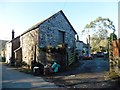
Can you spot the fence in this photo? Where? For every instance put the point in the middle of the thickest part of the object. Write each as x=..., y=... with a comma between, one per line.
x=116, y=48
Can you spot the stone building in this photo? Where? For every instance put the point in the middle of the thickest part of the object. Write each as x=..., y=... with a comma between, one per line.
x=11, y=48
x=51, y=32
x=79, y=47
x=2, y=49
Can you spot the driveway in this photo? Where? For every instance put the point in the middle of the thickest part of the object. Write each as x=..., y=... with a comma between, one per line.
x=87, y=74
x=15, y=79
x=93, y=66
x=97, y=65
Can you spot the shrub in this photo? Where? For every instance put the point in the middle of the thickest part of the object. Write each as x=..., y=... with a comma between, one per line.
x=3, y=59
x=113, y=75
x=18, y=64
x=24, y=63
x=119, y=63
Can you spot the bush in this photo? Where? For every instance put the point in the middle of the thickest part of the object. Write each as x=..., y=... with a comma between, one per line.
x=3, y=59
x=18, y=64
x=24, y=63
x=113, y=75
x=61, y=49
x=119, y=63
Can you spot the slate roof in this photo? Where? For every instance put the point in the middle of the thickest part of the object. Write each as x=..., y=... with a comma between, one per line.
x=39, y=23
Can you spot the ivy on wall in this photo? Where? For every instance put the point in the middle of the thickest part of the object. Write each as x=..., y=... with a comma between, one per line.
x=60, y=48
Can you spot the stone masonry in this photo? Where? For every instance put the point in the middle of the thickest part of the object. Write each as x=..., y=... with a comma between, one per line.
x=46, y=33
x=49, y=31
x=29, y=41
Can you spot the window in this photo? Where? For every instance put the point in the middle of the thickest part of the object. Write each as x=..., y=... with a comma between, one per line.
x=61, y=36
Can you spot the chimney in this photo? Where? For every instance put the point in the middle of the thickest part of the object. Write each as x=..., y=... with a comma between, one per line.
x=89, y=39
x=13, y=34
x=77, y=38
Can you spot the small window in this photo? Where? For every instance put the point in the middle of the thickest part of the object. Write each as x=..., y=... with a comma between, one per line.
x=61, y=36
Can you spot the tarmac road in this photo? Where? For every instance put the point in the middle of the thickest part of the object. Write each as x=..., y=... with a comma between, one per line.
x=87, y=74
x=95, y=65
x=15, y=79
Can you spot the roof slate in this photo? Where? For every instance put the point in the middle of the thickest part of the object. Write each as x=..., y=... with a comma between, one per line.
x=39, y=23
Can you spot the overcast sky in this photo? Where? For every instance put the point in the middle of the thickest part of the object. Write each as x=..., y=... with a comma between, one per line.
x=20, y=16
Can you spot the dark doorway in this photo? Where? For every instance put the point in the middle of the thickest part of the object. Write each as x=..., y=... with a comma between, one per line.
x=61, y=37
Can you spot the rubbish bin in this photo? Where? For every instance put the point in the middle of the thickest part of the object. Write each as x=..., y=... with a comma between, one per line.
x=36, y=71
x=41, y=68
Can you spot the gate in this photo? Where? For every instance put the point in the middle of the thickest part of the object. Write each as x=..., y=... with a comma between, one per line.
x=71, y=56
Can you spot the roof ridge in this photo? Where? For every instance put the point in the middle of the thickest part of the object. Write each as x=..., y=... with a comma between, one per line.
x=39, y=23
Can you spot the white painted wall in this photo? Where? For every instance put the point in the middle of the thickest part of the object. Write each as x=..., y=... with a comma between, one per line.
x=8, y=51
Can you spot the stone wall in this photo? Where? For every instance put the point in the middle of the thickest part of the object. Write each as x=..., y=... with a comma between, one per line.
x=16, y=43
x=18, y=54
x=2, y=44
x=11, y=47
x=3, y=48
x=49, y=31
x=47, y=58
x=29, y=43
x=49, y=35
x=8, y=51
x=46, y=34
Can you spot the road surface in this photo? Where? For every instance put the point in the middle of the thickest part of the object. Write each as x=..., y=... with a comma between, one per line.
x=88, y=74
x=96, y=65
x=15, y=79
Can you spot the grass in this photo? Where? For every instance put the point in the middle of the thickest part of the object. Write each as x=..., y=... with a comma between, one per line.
x=113, y=75
x=26, y=70
x=114, y=78
x=119, y=63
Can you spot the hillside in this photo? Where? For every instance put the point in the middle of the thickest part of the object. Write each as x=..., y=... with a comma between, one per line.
x=2, y=44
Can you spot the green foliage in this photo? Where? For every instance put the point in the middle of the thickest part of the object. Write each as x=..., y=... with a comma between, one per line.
x=83, y=51
x=113, y=36
x=113, y=75
x=98, y=30
x=26, y=70
x=61, y=49
x=23, y=63
x=100, y=25
x=20, y=64
x=119, y=63
x=3, y=59
x=42, y=49
x=98, y=45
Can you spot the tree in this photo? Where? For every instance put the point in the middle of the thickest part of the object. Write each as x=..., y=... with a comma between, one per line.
x=113, y=36
x=98, y=29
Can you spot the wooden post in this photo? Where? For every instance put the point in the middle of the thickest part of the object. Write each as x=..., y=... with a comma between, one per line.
x=111, y=56
x=114, y=57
